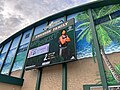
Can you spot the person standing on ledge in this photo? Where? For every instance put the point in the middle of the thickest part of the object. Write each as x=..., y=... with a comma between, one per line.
x=63, y=42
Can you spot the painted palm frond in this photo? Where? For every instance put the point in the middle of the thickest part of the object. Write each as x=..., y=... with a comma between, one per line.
x=89, y=36
x=82, y=34
x=82, y=17
x=117, y=68
x=113, y=9
x=103, y=36
x=83, y=25
x=95, y=13
x=110, y=77
x=113, y=32
x=102, y=11
x=105, y=10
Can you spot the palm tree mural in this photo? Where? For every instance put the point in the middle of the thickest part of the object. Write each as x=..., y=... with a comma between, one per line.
x=108, y=29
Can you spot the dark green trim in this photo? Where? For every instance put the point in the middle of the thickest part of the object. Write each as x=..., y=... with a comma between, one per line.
x=93, y=51
x=98, y=54
x=6, y=56
x=11, y=80
x=64, y=70
x=87, y=87
x=23, y=67
x=113, y=84
x=64, y=76
x=83, y=7
x=65, y=18
x=12, y=63
x=1, y=49
x=38, y=82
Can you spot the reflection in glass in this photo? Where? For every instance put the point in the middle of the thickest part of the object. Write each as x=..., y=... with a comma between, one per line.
x=8, y=60
x=21, y=54
x=10, y=55
x=15, y=43
x=20, y=57
x=3, y=53
x=2, y=56
x=56, y=22
x=39, y=29
x=5, y=49
x=24, y=39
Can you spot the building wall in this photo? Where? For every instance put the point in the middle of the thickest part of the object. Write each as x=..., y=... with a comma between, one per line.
x=4, y=86
x=80, y=72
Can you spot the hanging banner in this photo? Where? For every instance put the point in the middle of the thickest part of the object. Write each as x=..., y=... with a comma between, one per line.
x=53, y=46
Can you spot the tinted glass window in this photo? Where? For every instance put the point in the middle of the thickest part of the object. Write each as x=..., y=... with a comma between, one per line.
x=21, y=54
x=3, y=53
x=26, y=37
x=39, y=29
x=5, y=48
x=15, y=43
x=8, y=60
x=10, y=55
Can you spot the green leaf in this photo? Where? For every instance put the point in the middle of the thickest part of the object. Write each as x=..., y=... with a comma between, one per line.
x=113, y=32
x=113, y=8
x=83, y=24
x=83, y=34
x=82, y=16
x=99, y=12
x=103, y=36
x=89, y=36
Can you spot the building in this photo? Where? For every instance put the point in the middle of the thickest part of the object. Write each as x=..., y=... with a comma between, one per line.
x=97, y=36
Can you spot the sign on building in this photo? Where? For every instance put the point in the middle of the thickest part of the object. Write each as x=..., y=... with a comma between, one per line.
x=53, y=46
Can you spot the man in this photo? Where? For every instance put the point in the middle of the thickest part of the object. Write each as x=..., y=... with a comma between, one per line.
x=63, y=42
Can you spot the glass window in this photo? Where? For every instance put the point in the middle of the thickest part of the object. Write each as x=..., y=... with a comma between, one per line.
x=15, y=43
x=5, y=49
x=56, y=22
x=39, y=29
x=22, y=51
x=21, y=54
x=3, y=53
x=26, y=37
x=72, y=16
x=8, y=60
x=2, y=56
x=10, y=55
